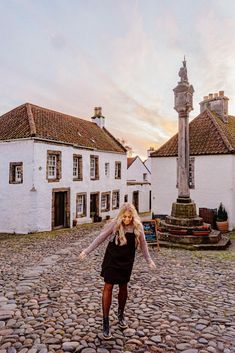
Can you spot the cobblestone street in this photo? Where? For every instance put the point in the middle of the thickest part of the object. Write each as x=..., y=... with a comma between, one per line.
x=51, y=302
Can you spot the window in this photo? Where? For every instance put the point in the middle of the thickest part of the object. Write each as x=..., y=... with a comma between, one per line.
x=126, y=198
x=191, y=173
x=94, y=167
x=81, y=205
x=145, y=177
x=191, y=182
x=115, y=199
x=105, y=201
x=117, y=170
x=53, y=166
x=106, y=169
x=77, y=167
x=16, y=173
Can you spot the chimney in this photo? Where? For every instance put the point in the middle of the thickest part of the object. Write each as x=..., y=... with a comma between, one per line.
x=149, y=151
x=98, y=118
x=217, y=103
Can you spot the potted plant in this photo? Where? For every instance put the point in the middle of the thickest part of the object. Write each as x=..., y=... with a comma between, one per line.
x=222, y=218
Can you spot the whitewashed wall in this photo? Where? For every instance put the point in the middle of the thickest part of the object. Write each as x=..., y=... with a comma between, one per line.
x=136, y=170
x=135, y=173
x=148, y=164
x=104, y=184
x=16, y=200
x=23, y=210
x=214, y=183
x=144, y=195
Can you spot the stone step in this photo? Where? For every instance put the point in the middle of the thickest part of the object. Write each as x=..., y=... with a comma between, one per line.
x=221, y=245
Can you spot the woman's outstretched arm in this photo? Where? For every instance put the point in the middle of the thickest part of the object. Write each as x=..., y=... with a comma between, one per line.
x=145, y=250
x=106, y=231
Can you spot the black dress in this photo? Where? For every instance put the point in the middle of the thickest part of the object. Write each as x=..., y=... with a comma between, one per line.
x=118, y=261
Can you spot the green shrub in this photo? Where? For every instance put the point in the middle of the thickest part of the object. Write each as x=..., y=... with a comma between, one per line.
x=222, y=214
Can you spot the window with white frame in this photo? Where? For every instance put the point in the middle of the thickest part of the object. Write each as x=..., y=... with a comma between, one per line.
x=52, y=160
x=115, y=199
x=16, y=173
x=53, y=166
x=94, y=167
x=77, y=167
x=105, y=201
x=106, y=169
x=117, y=170
x=81, y=205
x=145, y=177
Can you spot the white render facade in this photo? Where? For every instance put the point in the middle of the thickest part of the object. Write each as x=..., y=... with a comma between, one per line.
x=139, y=186
x=214, y=182
x=28, y=206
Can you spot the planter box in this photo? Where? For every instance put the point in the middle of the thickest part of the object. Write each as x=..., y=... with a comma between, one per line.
x=222, y=226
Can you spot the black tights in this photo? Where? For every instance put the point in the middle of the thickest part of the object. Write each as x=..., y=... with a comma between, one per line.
x=107, y=297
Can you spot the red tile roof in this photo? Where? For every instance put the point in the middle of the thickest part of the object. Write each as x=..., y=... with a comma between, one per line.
x=208, y=135
x=130, y=160
x=29, y=120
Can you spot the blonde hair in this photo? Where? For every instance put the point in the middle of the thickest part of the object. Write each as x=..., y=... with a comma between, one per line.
x=119, y=229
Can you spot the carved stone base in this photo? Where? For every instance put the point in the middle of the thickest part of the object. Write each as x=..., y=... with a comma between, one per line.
x=175, y=222
x=184, y=210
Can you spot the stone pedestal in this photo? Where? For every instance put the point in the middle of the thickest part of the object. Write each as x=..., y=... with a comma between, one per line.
x=184, y=215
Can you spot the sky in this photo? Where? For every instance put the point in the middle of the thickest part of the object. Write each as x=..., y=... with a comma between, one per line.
x=123, y=55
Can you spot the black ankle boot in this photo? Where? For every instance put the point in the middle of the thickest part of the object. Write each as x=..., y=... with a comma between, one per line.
x=106, y=333
x=121, y=321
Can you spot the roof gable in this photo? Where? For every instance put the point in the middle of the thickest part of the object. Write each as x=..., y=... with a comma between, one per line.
x=31, y=120
x=208, y=135
x=133, y=160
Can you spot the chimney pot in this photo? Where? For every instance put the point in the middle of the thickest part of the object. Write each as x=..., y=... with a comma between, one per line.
x=216, y=95
x=210, y=95
x=221, y=93
x=205, y=98
x=98, y=111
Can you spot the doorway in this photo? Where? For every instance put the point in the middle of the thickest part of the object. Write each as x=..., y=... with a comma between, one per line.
x=136, y=200
x=94, y=204
x=60, y=208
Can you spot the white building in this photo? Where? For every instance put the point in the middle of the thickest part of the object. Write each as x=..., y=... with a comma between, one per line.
x=138, y=184
x=212, y=161
x=56, y=170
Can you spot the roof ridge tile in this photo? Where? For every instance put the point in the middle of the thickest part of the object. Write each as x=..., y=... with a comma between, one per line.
x=221, y=132
x=32, y=125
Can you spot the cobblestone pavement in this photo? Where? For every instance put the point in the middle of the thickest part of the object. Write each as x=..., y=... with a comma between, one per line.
x=51, y=302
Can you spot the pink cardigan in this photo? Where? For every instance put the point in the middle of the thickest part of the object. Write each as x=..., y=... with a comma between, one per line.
x=107, y=232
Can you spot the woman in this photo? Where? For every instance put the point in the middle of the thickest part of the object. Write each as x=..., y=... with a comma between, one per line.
x=125, y=234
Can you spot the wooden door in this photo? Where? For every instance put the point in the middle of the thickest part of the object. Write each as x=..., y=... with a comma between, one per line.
x=136, y=200
x=60, y=216
x=94, y=204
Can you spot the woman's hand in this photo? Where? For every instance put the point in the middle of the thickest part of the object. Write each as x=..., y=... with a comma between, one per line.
x=82, y=255
x=152, y=265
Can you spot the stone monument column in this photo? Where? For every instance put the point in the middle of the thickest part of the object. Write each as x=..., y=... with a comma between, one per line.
x=183, y=213
x=183, y=105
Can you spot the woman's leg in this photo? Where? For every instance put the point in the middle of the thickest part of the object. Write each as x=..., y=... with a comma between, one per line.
x=122, y=297
x=107, y=298
x=106, y=303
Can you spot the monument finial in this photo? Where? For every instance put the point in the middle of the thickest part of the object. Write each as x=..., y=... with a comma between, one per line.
x=183, y=72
